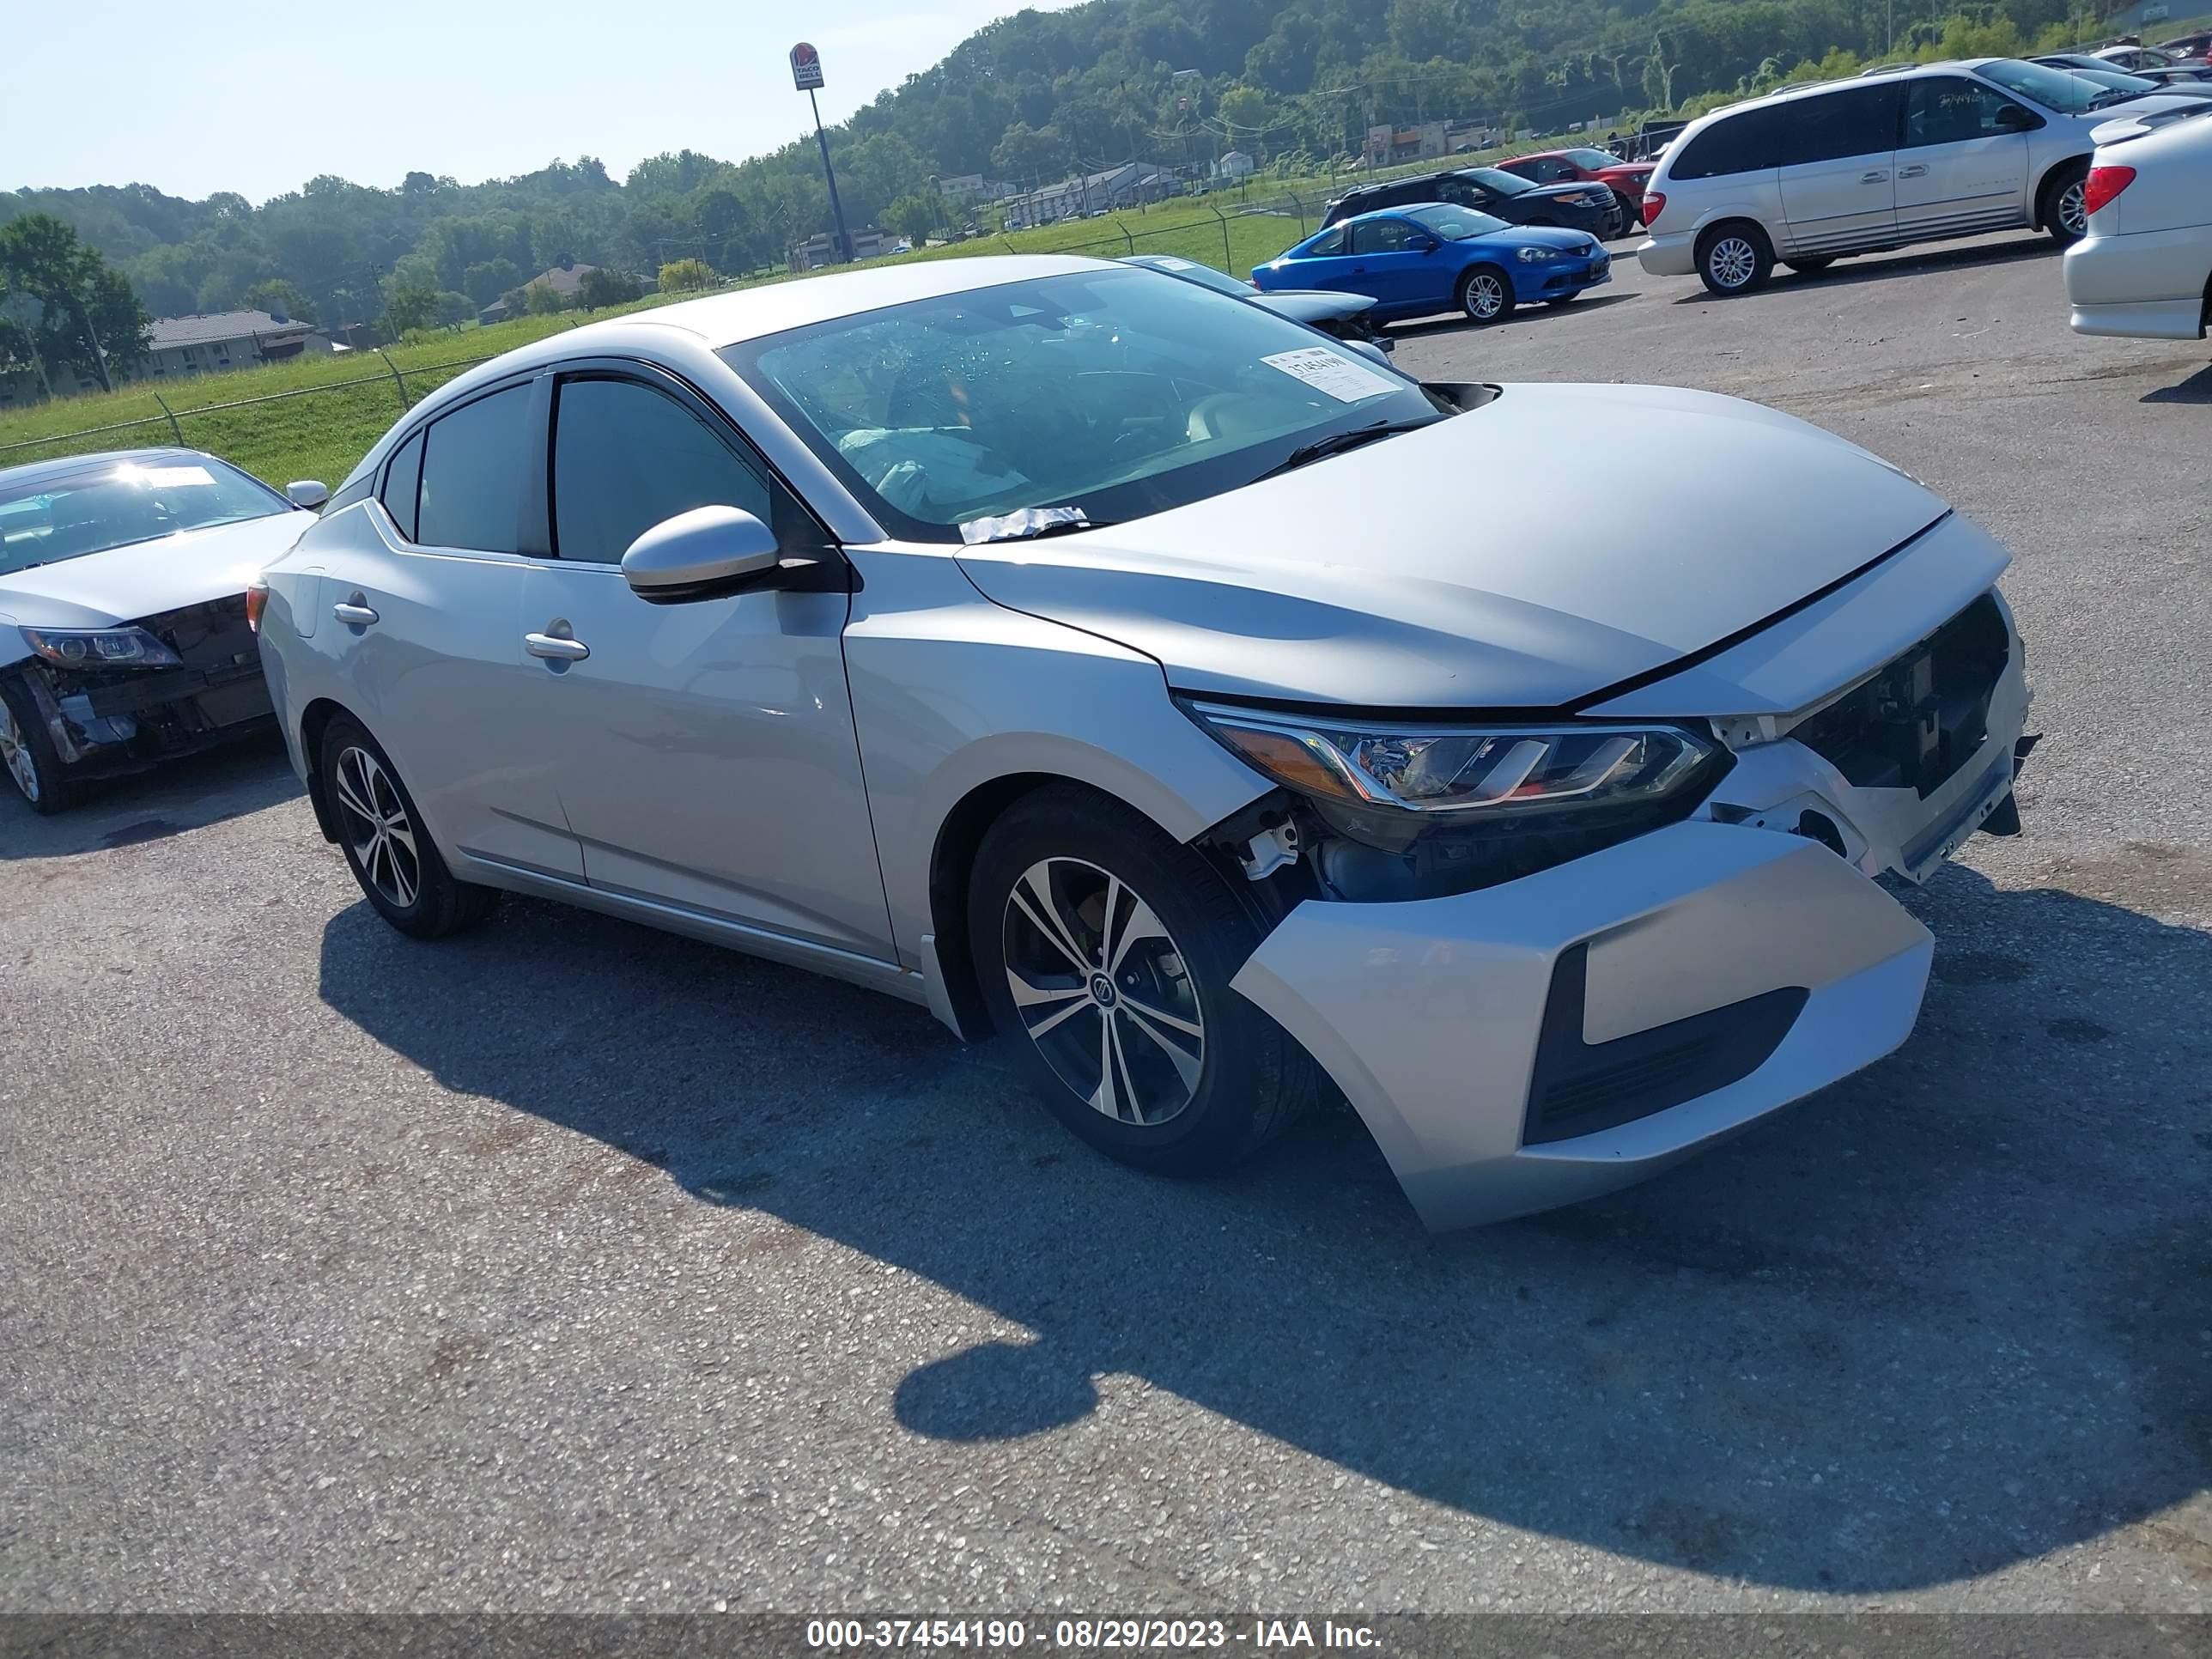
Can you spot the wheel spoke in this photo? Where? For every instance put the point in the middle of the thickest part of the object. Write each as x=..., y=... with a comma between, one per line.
x=1034, y=895
x=1108, y=1098
x=1142, y=924
x=351, y=781
x=1173, y=1022
x=406, y=877
x=1121, y=1065
x=1186, y=1063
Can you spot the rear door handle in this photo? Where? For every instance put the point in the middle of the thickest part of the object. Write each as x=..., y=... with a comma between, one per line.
x=354, y=613
x=1912, y=173
x=555, y=648
x=1874, y=178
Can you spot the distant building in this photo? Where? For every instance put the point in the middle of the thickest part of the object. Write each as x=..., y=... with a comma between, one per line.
x=1126, y=185
x=565, y=280
x=821, y=249
x=963, y=188
x=1235, y=165
x=225, y=340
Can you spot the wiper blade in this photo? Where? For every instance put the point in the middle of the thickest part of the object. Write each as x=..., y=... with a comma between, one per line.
x=1028, y=524
x=1337, y=442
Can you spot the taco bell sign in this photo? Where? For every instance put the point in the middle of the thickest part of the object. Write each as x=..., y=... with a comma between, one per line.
x=805, y=67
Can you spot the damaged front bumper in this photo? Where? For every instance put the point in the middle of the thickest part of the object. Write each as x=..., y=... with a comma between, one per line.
x=103, y=721
x=1554, y=1037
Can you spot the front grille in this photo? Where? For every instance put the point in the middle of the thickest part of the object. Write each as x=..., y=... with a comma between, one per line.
x=1917, y=721
x=1578, y=1088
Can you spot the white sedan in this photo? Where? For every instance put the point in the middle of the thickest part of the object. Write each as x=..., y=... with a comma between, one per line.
x=2145, y=268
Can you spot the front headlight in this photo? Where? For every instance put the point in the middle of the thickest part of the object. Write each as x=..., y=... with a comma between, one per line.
x=1580, y=198
x=1532, y=256
x=1425, y=810
x=99, y=648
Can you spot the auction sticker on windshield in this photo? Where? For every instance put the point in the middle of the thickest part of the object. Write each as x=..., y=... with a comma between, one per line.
x=1340, y=378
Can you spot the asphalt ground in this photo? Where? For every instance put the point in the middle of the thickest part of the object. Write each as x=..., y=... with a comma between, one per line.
x=567, y=1266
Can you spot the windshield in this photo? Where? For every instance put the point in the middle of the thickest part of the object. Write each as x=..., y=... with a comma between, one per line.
x=1498, y=178
x=118, y=503
x=2071, y=92
x=1191, y=271
x=1455, y=224
x=1109, y=392
x=2119, y=81
x=1592, y=158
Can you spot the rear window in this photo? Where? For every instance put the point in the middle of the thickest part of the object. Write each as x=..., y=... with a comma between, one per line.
x=1743, y=142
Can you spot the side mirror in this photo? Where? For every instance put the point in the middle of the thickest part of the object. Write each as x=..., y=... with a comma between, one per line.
x=1368, y=349
x=1423, y=244
x=2011, y=118
x=704, y=554
x=310, y=493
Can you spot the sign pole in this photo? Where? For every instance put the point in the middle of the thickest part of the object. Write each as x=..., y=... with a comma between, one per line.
x=807, y=76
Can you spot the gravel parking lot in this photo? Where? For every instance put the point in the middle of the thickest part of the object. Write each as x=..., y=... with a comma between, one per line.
x=571, y=1266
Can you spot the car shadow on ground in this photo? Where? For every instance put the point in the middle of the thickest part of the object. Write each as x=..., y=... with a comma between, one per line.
x=1876, y=268
x=2196, y=389
x=1529, y=311
x=151, y=805
x=1953, y=1315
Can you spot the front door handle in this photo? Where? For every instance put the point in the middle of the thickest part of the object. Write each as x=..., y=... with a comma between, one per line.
x=1912, y=173
x=555, y=648
x=1874, y=178
x=354, y=612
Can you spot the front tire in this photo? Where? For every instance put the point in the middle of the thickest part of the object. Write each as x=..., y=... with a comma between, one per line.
x=2064, y=210
x=1485, y=295
x=386, y=844
x=1735, y=258
x=1104, y=951
x=27, y=753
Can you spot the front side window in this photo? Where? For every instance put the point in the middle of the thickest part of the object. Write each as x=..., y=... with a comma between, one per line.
x=1109, y=391
x=114, y=504
x=1381, y=236
x=475, y=469
x=625, y=456
x=1949, y=109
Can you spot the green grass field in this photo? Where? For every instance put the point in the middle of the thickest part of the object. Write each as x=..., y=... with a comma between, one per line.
x=331, y=410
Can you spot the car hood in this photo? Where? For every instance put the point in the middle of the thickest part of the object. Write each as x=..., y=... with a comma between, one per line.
x=148, y=578
x=1471, y=564
x=1565, y=187
x=1552, y=236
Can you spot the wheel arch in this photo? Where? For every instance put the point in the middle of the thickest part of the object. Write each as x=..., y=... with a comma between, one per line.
x=314, y=720
x=2039, y=193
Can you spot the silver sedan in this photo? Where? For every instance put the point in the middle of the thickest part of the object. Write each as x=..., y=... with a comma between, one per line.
x=1219, y=716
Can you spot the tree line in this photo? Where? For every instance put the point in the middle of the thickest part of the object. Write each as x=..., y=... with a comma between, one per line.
x=1031, y=98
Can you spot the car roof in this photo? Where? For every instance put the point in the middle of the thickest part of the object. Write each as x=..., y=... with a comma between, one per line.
x=1395, y=210
x=37, y=472
x=1810, y=89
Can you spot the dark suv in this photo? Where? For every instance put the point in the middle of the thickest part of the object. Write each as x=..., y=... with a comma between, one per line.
x=1586, y=207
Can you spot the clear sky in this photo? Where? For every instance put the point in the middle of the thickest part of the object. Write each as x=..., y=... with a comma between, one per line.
x=258, y=97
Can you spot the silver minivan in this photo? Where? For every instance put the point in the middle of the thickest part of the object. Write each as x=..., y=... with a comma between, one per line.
x=1917, y=153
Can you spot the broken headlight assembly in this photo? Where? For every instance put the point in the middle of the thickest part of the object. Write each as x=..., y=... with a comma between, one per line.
x=1406, y=811
x=99, y=648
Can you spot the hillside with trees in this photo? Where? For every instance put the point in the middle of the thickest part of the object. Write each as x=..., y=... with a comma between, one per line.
x=1029, y=99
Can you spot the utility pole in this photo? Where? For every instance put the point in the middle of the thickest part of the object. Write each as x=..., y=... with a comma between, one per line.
x=807, y=76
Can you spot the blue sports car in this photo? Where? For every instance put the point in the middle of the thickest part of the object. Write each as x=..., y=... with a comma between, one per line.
x=1414, y=261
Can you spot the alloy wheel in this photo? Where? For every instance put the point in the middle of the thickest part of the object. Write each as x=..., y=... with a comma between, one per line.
x=1732, y=261
x=2074, y=208
x=1103, y=991
x=378, y=829
x=1485, y=296
x=16, y=751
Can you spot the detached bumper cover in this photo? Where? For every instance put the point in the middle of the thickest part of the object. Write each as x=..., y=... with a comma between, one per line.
x=1721, y=972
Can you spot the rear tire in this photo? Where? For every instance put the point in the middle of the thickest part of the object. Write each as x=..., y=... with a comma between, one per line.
x=1734, y=257
x=1485, y=295
x=2060, y=208
x=28, y=755
x=386, y=844
x=1811, y=267
x=1125, y=1021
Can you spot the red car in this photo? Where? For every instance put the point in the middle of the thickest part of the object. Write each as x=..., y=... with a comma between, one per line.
x=1588, y=165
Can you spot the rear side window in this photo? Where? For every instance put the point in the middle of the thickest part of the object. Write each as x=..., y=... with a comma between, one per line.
x=402, y=477
x=475, y=469
x=625, y=456
x=1322, y=247
x=1862, y=121
x=1734, y=143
